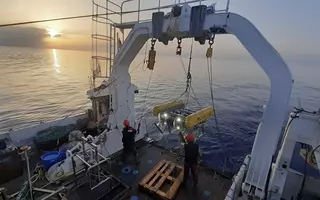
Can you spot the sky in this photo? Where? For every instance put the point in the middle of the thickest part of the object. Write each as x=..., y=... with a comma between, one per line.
x=290, y=25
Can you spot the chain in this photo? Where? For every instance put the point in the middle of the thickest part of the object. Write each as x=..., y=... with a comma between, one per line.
x=211, y=41
x=153, y=42
x=209, y=50
x=152, y=55
x=189, y=78
x=179, y=48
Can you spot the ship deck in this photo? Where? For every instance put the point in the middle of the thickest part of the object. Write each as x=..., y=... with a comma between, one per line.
x=210, y=182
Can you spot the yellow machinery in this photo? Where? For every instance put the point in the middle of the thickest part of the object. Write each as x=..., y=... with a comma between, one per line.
x=198, y=117
x=164, y=107
x=183, y=118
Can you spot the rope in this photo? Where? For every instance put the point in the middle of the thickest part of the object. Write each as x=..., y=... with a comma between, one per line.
x=209, y=65
x=145, y=56
x=210, y=76
x=143, y=69
x=145, y=97
x=192, y=90
x=189, y=77
x=57, y=19
x=150, y=76
x=57, y=123
x=172, y=102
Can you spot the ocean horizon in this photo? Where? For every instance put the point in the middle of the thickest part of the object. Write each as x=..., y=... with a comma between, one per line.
x=39, y=85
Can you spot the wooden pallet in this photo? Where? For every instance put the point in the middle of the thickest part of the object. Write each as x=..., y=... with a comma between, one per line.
x=163, y=180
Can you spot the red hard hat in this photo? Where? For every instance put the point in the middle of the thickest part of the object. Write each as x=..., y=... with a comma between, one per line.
x=189, y=137
x=126, y=123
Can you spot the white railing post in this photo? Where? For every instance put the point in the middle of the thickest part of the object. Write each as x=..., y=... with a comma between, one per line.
x=138, y=10
x=227, y=8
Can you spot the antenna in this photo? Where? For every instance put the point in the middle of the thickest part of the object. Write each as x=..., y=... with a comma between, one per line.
x=227, y=8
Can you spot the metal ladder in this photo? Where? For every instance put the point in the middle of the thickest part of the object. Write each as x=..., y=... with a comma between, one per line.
x=108, y=25
x=104, y=40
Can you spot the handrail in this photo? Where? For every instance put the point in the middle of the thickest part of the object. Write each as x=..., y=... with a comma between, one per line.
x=114, y=24
x=101, y=37
x=114, y=4
x=158, y=8
x=150, y=9
x=107, y=9
x=107, y=20
x=121, y=9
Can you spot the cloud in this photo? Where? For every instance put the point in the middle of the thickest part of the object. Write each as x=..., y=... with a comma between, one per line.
x=23, y=36
x=39, y=38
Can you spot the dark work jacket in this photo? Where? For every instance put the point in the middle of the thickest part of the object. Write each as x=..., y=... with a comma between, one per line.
x=191, y=153
x=128, y=136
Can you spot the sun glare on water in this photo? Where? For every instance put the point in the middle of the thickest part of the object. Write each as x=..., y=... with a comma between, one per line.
x=52, y=32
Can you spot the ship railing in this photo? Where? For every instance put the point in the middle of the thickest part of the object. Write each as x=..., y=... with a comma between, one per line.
x=111, y=19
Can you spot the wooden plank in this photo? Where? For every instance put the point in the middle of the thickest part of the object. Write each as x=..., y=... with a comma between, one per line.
x=169, y=177
x=175, y=186
x=150, y=174
x=163, y=178
x=178, y=166
x=158, y=174
x=163, y=171
x=162, y=194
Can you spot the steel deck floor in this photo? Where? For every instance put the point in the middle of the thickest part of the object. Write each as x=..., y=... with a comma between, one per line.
x=149, y=156
x=217, y=185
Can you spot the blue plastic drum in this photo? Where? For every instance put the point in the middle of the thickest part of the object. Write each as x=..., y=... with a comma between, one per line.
x=51, y=158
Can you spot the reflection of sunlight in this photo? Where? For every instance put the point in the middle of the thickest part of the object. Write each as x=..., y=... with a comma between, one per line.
x=55, y=61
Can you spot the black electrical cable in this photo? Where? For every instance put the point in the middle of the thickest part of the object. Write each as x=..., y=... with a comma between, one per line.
x=313, y=150
x=294, y=116
x=55, y=19
x=304, y=174
x=110, y=12
x=300, y=110
x=296, y=112
x=287, y=127
x=108, y=85
x=189, y=77
x=305, y=170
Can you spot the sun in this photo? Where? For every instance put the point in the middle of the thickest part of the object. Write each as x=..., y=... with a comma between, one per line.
x=52, y=32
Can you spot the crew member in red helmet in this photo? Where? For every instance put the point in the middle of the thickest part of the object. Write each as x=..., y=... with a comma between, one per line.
x=192, y=155
x=128, y=140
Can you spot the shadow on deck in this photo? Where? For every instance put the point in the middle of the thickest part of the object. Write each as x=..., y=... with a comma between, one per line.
x=209, y=182
x=125, y=186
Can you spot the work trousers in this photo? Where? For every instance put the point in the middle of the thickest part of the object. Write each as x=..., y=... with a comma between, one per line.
x=129, y=150
x=194, y=172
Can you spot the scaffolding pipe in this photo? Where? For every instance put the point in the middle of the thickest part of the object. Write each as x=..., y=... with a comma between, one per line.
x=52, y=194
x=85, y=162
x=101, y=182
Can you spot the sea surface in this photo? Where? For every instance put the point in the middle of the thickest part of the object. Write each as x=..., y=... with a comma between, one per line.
x=38, y=85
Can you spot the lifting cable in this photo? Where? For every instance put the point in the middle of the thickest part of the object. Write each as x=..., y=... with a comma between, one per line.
x=146, y=95
x=192, y=90
x=77, y=109
x=108, y=85
x=148, y=86
x=55, y=19
x=189, y=77
x=210, y=76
